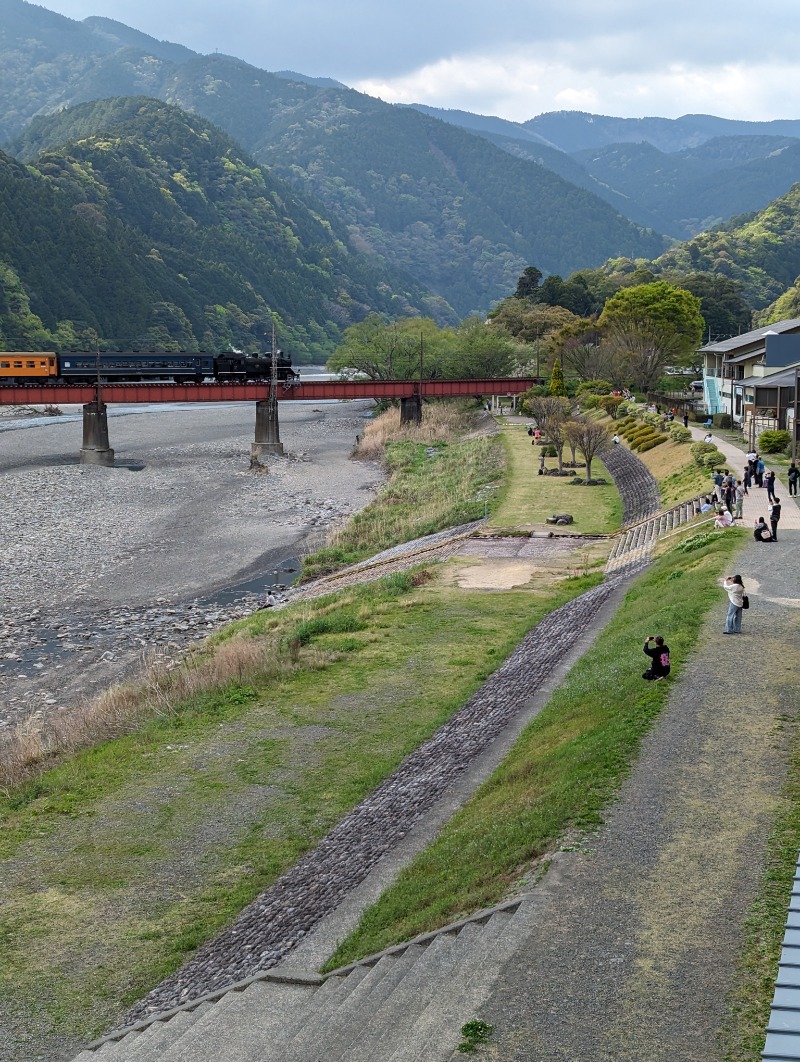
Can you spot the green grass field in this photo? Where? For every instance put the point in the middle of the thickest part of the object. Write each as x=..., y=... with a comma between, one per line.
x=528, y=499
x=121, y=860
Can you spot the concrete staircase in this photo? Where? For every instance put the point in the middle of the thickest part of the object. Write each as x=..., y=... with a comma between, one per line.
x=711, y=394
x=406, y=1004
x=639, y=539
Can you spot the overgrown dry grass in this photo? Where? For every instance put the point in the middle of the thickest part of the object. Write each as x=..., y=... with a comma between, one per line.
x=441, y=422
x=162, y=687
x=441, y=474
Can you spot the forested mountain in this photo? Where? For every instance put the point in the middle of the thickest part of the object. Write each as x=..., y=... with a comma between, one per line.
x=578, y=131
x=440, y=203
x=649, y=174
x=432, y=193
x=445, y=205
x=760, y=251
x=159, y=230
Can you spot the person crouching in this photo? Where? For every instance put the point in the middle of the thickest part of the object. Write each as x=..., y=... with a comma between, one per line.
x=659, y=655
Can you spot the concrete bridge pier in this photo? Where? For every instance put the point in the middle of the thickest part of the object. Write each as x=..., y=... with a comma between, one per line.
x=95, y=449
x=411, y=410
x=268, y=440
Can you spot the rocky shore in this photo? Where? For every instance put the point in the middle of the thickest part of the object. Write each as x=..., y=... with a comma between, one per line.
x=101, y=567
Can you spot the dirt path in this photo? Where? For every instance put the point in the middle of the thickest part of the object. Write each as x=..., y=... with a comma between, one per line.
x=639, y=935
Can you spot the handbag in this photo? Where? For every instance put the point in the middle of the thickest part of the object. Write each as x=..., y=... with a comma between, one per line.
x=745, y=601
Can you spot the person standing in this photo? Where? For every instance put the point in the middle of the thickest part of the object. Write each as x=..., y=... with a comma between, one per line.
x=759, y=472
x=739, y=500
x=747, y=479
x=774, y=517
x=769, y=483
x=735, y=588
x=659, y=655
x=686, y=420
x=793, y=475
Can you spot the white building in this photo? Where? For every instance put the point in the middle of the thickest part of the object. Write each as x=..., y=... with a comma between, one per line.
x=752, y=376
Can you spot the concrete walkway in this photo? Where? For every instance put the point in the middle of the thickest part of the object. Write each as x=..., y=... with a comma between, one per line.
x=755, y=503
x=636, y=946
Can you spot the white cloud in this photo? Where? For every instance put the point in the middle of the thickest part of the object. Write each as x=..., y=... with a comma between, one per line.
x=521, y=57
x=517, y=87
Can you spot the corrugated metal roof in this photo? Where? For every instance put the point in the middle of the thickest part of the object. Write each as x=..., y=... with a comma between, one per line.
x=783, y=1031
x=752, y=338
x=774, y=379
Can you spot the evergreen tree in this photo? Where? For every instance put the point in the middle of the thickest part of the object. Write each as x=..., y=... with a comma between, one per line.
x=557, y=379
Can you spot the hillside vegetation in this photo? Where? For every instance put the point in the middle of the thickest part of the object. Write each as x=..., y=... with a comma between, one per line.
x=159, y=231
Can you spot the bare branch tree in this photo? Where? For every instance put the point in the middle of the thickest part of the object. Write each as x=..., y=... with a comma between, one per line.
x=643, y=349
x=591, y=438
x=551, y=413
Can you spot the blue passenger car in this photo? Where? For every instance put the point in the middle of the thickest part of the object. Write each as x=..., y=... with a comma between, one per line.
x=80, y=366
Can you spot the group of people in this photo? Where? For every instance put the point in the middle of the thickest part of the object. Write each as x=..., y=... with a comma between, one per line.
x=727, y=498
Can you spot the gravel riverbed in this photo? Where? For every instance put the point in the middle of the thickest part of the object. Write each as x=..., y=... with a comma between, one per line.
x=101, y=566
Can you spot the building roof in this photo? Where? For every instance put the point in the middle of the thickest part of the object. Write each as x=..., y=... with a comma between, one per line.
x=785, y=378
x=753, y=338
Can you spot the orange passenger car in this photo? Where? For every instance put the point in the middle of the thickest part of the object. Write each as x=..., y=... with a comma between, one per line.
x=21, y=366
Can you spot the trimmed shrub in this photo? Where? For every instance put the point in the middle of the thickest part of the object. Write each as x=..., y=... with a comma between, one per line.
x=714, y=460
x=722, y=420
x=593, y=387
x=678, y=433
x=773, y=442
x=698, y=451
x=650, y=443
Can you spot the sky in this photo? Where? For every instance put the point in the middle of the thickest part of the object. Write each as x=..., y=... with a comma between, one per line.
x=511, y=58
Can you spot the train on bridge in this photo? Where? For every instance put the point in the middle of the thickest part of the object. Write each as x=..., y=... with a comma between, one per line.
x=85, y=367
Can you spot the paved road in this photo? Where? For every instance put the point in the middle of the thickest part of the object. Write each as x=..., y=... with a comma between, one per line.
x=639, y=936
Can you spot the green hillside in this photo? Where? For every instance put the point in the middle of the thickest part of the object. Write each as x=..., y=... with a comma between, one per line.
x=435, y=200
x=161, y=231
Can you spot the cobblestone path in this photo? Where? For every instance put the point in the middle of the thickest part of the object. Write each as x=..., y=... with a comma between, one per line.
x=271, y=926
x=635, y=482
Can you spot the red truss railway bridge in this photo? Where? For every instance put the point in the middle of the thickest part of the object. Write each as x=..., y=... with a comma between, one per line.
x=96, y=448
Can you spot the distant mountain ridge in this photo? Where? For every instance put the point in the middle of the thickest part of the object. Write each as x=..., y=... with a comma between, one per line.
x=442, y=204
x=459, y=203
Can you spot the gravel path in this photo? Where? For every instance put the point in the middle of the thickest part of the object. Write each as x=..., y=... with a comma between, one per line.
x=99, y=565
x=636, y=947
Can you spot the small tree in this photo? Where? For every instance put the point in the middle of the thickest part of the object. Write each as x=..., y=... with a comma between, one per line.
x=591, y=438
x=551, y=413
x=611, y=404
x=557, y=379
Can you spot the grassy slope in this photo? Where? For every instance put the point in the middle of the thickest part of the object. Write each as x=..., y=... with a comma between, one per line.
x=565, y=767
x=125, y=857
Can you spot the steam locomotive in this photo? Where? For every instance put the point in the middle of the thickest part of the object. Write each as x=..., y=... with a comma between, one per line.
x=81, y=367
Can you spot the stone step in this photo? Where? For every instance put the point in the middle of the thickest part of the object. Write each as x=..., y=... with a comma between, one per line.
x=333, y=1020
x=197, y=1032
x=347, y=1027
x=131, y=1044
x=384, y=1030
x=436, y=1030
x=158, y=1037
x=239, y=1031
